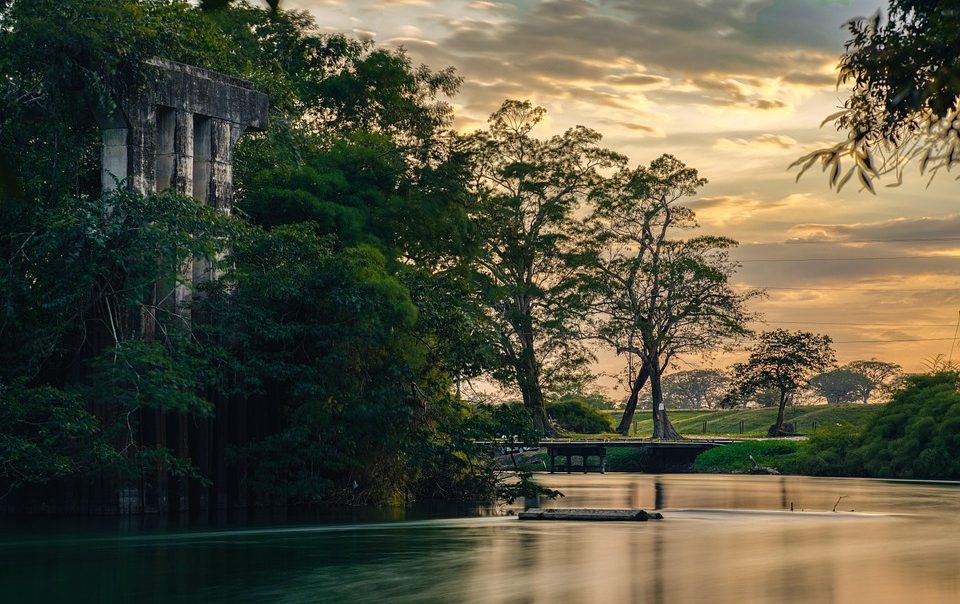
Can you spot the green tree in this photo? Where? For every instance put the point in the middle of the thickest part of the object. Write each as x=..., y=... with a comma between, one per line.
x=783, y=361
x=528, y=192
x=656, y=296
x=903, y=105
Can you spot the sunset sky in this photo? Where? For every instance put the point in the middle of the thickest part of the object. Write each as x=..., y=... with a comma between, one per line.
x=736, y=89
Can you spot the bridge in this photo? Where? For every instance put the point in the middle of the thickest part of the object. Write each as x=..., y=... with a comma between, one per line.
x=659, y=454
x=659, y=451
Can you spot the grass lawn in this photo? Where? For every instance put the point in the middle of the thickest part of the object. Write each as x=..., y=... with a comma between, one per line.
x=755, y=421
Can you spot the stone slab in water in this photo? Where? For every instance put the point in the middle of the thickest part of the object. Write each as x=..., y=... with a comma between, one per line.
x=588, y=514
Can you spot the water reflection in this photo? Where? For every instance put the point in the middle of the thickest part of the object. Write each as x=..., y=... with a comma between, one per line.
x=724, y=539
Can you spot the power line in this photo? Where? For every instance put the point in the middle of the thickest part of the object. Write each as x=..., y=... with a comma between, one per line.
x=889, y=341
x=847, y=289
x=841, y=241
x=846, y=323
x=842, y=259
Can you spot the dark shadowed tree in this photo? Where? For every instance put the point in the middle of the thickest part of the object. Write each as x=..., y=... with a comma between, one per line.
x=905, y=81
x=840, y=386
x=695, y=388
x=656, y=296
x=877, y=374
x=784, y=361
x=528, y=191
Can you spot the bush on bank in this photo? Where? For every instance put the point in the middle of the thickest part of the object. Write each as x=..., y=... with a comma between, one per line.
x=916, y=435
x=576, y=416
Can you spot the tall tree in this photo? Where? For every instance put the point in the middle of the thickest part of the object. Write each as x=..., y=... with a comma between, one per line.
x=528, y=191
x=656, y=296
x=903, y=105
x=783, y=361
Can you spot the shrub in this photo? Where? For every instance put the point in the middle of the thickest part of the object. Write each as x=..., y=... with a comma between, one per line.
x=917, y=434
x=779, y=454
x=575, y=416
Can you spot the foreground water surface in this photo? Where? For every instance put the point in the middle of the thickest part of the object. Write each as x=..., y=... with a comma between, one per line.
x=723, y=539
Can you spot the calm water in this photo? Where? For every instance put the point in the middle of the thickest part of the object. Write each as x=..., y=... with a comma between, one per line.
x=724, y=539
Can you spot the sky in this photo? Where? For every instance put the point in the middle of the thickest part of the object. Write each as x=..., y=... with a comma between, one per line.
x=736, y=89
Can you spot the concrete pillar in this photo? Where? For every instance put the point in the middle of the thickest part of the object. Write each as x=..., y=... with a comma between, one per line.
x=201, y=158
x=113, y=156
x=202, y=152
x=183, y=153
x=141, y=151
x=223, y=136
x=166, y=155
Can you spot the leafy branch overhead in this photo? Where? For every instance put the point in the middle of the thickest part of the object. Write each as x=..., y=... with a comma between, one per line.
x=902, y=108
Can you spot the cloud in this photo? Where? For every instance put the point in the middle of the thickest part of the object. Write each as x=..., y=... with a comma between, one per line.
x=641, y=80
x=724, y=209
x=768, y=104
x=930, y=233
x=762, y=143
x=625, y=54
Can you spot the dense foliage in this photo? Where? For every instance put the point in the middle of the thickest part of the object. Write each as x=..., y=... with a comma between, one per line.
x=575, y=416
x=322, y=355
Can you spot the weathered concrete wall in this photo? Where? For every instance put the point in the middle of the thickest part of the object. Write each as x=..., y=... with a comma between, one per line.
x=180, y=133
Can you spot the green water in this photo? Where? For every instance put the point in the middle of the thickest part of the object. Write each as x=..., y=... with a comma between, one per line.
x=723, y=539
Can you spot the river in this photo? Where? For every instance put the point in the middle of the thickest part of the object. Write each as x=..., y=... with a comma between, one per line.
x=723, y=539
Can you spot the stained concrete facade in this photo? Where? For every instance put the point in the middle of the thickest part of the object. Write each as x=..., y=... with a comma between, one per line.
x=179, y=134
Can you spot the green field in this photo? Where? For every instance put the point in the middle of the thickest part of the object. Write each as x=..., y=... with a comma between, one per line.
x=755, y=421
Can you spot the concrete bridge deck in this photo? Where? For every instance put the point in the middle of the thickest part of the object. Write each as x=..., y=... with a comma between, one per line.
x=660, y=452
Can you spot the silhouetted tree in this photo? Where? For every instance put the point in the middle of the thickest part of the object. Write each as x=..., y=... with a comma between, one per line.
x=656, y=296
x=877, y=374
x=784, y=361
x=840, y=386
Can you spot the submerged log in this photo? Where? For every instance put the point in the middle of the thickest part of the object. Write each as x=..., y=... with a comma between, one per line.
x=587, y=514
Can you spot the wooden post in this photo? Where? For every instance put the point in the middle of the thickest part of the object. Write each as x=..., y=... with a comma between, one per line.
x=568, y=464
x=553, y=458
x=603, y=461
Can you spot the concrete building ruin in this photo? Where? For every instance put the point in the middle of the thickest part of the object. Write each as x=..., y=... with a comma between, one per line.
x=179, y=133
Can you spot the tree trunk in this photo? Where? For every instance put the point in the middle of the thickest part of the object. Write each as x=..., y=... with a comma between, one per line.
x=528, y=375
x=631, y=408
x=777, y=428
x=662, y=428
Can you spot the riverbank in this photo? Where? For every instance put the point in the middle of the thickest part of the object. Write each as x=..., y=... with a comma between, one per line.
x=753, y=422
